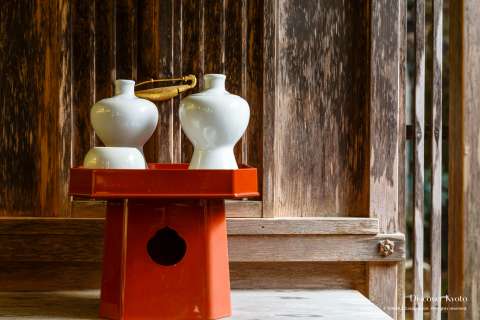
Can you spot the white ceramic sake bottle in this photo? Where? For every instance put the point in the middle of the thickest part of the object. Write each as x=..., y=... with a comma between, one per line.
x=124, y=120
x=124, y=123
x=214, y=120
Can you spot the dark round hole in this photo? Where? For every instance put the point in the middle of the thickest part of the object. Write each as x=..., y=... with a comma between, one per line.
x=166, y=247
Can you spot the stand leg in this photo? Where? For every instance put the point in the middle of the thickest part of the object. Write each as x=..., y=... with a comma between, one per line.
x=166, y=260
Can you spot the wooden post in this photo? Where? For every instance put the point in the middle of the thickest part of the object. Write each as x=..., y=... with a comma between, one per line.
x=464, y=159
x=436, y=136
x=384, y=142
x=419, y=146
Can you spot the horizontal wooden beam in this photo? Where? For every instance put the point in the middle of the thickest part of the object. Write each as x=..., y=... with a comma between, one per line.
x=320, y=248
x=67, y=239
x=233, y=208
x=236, y=226
x=302, y=226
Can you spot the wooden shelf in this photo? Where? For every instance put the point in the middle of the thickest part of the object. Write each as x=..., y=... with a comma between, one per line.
x=303, y=226
x=67, y=239
x=247, y=304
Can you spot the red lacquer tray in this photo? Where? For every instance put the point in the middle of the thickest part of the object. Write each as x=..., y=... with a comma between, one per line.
x=163, y=181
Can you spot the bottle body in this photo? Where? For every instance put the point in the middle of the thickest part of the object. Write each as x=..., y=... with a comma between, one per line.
x=214, y=120
x=124, y=120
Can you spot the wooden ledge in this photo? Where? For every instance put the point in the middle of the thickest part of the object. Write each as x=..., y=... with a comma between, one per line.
x=246, y=304
x=70, y=239
x=302, y=226
x=314, y=248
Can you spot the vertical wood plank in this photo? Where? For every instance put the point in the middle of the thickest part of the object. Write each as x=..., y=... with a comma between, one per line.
x=464, y=159
x=193, y=57
x=385, y=139
x=35, y=107
x=155, y=60
x=214, y=35
x=254, y=86
x=235, y=58
x=177, y=71
x=126, y=39
x=419, y=107
x=83, y=78
x=104, y=49
x=269, y=102
x=456, y=160
x=402, y=151
x=104, y=52
x=321, y=135
x=436, y=213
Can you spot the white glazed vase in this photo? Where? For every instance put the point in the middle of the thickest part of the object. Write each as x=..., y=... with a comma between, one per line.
x=214, y=120
x=124, y=120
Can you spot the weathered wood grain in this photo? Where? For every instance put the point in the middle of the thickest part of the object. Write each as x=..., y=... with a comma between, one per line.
x=402, y=136
x=298, y=275
x=419, y=153
x=252, y=153
x=233, y=209
x=156, y=60
x=464, y=159
x=436, y=165
x=246, y=305
x=308, y=225
x=193, y=58
x=235, y=58
x=30, y=240
x=321, y=248
x=269, y=104
x=105, y=66
x=382, y=286
x=385, y=142
x=321, y=107
x=50, y=226
x=38, y=276
x=83, y=78
x=126, y=39
x=35, y=107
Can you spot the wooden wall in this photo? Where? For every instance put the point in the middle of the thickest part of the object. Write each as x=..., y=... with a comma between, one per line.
x=323, y=80
x=304, y=67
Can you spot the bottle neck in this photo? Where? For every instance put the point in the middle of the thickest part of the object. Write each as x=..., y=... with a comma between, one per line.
x=214, y=82
x=125, y=88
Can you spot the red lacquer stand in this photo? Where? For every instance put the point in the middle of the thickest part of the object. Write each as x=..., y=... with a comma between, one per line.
x=165, y=253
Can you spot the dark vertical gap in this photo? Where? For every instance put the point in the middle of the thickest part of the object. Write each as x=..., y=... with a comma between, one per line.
x=83, y=78
x=126, y=39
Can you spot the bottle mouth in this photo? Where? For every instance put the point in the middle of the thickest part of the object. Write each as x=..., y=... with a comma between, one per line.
x=125, y=86
x=214, y=81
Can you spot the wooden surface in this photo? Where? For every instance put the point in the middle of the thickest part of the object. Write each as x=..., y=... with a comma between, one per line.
x=35, y=107
x=246, y=305
x=233, y=209
x=70, y=251
x=464, y=158
x=298, y=275
x=385, y=142
x=54, y=240
x=78, y=49
x=325, y=120
x=325, y=248
x=312, y=225
x=318, y=111
x=419, y=159
x=436, y=140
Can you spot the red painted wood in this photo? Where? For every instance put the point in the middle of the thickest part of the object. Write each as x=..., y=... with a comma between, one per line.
x=164, y=181
x=197, y=287
x=142, y=281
